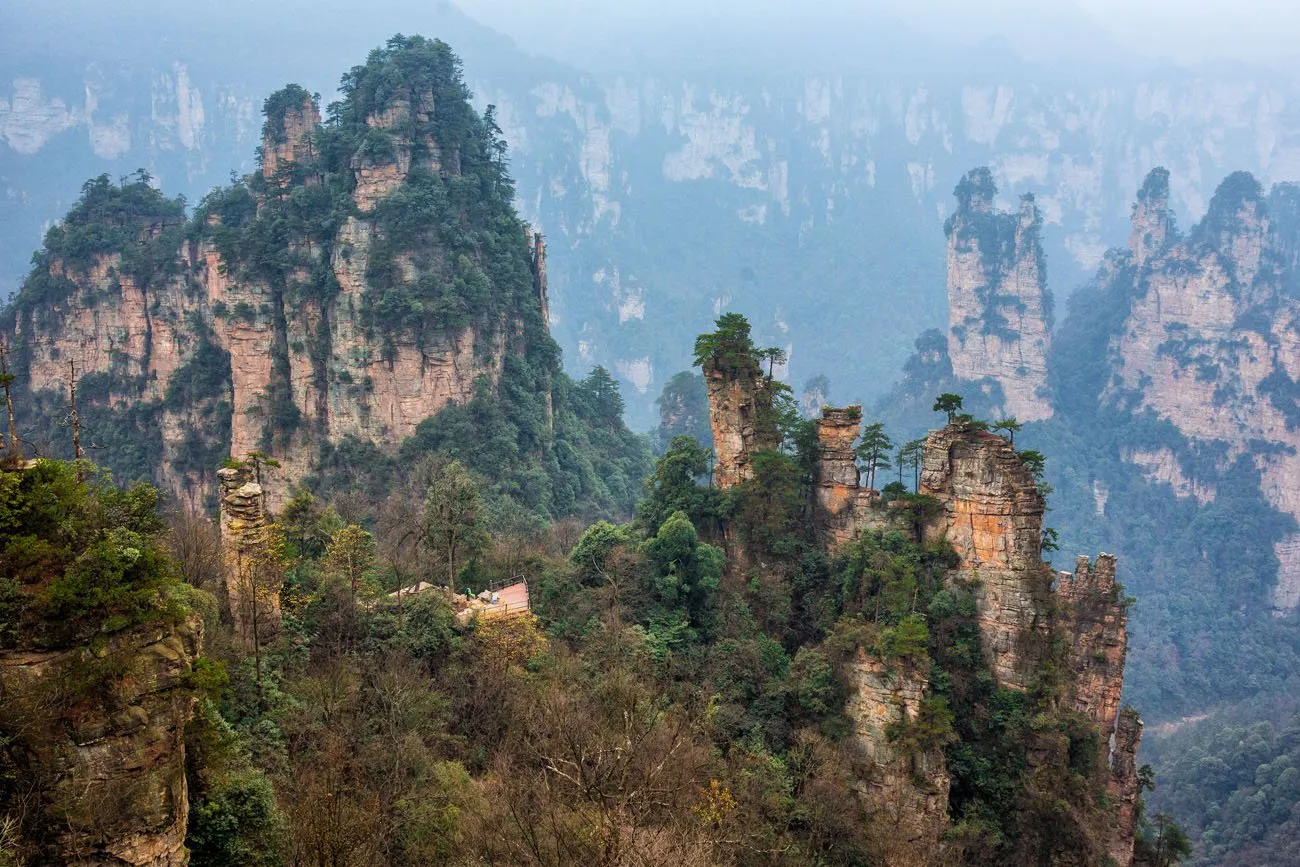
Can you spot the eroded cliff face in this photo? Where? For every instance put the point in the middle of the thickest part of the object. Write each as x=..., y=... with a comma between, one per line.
x=111, y=770
x=1211, y=343
x=991, y=512
x=869, y=162
x=1066, y=646
x=999, y=310
x=738, y=400
x=906, y=794
x=1095, y=617
x=280, y=319
x=841, y=504
x=1124, y=786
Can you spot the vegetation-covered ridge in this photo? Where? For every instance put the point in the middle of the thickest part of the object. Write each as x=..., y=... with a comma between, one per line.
x=370, y=285
x=713, y=682
x=1171, y=430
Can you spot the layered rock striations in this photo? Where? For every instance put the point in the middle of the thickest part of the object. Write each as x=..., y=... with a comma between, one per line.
x=289, y=138
x=1124, y=786
x=999, y=309
x=371, y=274
x=840, y=502
x=991, y=512
x=1211, y=343
x=1064, y=646
x=250, y=580
x=108, y=776
x=1094, y=616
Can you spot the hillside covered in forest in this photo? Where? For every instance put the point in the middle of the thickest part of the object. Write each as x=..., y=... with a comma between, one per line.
x=345, y=570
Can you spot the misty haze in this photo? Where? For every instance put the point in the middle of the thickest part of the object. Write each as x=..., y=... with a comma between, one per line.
x=649, y=433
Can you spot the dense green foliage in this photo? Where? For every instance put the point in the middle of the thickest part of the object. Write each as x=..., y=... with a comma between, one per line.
x=446, y=252
x=84, y=572
x=1203, y=631
x=666, y=702
x=683, y=411
x=707, y=650
x=1235, y=779
x=544, y=440
x=78, y=562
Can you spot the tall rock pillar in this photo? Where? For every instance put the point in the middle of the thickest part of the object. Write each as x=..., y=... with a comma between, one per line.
x=906, y=792
x=289, y=134
x=740, y=403
x=838, y=491
x=252, y=589
x=1124, y=787
x=1094, y=619
x=992, y=515
x=1152, y=219
x=999, y=309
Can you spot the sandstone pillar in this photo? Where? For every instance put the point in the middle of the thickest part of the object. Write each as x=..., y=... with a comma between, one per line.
x=252, y=590
x=992, y=514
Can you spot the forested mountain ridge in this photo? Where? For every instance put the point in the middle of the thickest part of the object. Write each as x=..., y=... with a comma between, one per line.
x=825, y=182
x=369, y=275
x=787, y=668
x=1167, y=403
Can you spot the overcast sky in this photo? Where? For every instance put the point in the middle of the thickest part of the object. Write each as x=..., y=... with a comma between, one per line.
x=1185, y=31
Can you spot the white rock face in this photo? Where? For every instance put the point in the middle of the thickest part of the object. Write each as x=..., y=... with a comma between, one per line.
x=29, y=117
x=638, y=371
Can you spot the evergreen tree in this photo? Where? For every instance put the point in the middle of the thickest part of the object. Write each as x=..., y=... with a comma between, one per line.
x=873, y=450
x=453, y=520
x=948, y=403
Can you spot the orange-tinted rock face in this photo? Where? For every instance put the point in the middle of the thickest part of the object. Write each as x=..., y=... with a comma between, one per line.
x=841, y=503
x=1124, y=787
x=252, y=590
x=735, y=402
x=1095, y=619
x=124, y=330
x=377, y=177
x=998, y=306
x=306, y=365
x=992, y=515
x=293, y=142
